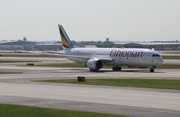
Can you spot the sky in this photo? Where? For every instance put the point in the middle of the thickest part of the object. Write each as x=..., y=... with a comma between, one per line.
x=90, y=20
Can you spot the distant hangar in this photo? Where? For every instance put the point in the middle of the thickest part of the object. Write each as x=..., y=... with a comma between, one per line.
x=155, y=45
x=28, y=45
x=17, y=45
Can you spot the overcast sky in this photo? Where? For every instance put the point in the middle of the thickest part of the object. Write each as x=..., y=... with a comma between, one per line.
x=120, y=20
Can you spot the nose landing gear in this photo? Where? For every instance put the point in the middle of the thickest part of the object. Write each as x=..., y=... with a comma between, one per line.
x=152, y=70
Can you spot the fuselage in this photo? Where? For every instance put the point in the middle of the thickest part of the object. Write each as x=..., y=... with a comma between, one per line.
x=95, y=58
x=120, y=56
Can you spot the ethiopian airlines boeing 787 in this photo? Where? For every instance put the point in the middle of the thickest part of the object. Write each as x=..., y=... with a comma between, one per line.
x=95, y=58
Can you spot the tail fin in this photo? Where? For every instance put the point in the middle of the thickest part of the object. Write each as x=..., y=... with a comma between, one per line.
x=66, y=42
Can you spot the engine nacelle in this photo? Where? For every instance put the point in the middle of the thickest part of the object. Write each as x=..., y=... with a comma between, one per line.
x=94, y=64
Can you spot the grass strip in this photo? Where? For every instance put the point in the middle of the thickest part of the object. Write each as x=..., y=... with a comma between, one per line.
x=1, y=72
x=173, y=52
x=25, y=55
x=140, y=83
x=171, y=57
x=14, y=61
x=62, y=65
x=26, y=111
x=169, y=66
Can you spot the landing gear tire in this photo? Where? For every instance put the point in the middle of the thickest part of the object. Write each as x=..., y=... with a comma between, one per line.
x=91, y=70
x=116, y=68
x=113, y=68
x=151, y=70
x=119, y=68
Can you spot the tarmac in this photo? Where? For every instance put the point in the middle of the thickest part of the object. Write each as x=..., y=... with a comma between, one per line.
x=137, y=102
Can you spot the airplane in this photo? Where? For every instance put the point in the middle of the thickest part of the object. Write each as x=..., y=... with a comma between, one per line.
x=96, y=58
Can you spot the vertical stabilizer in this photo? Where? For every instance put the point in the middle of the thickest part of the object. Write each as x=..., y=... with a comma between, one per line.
x=66, y=42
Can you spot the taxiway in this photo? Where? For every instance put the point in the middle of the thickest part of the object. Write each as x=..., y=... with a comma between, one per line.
x=140, y=102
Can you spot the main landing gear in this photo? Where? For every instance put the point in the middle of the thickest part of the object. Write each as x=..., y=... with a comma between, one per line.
x=116, y=68
x=152, y=70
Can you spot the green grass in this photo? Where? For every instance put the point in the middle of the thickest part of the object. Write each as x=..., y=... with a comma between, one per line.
x=140, y=83
x=63, y=65
x=171, y=57
x=2, y=72
x=14, y=61
x=26, y=111
x=25, y=55
x=175, y=52
x=169, y=66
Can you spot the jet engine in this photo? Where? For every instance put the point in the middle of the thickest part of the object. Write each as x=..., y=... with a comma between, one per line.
x=94, y=64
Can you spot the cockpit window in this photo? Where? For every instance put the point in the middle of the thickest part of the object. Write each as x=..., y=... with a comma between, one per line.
x=155, y=55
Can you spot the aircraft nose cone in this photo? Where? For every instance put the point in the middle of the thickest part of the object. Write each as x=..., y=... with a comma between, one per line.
x=161, y=60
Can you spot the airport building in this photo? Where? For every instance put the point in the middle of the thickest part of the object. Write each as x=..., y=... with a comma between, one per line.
x=17, y=45
x=44, y=47
x=156, y=45
x=28, y=45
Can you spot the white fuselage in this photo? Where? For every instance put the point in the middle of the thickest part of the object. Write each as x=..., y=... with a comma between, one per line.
x=120, y=56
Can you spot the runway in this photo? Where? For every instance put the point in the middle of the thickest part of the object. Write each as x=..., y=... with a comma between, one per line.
x=138, y=102
x=149, y=100
x=95, y=94
x=34, y=72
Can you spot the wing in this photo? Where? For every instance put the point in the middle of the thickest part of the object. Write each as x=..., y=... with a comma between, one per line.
x=45, y=53
x=79, y=59
x=84, y=59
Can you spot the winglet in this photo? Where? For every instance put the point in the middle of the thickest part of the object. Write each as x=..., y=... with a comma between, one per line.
x=66, y=42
